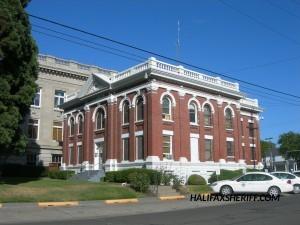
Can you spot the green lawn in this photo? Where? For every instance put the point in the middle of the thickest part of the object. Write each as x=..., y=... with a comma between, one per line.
x=45, y=189
x=198, y=189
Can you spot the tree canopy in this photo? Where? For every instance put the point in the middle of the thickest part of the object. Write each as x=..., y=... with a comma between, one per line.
x=290, y=145
x=18, y=72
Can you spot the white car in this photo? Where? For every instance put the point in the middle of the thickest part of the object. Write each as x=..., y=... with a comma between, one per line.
x=254, y=182
x=289, y=177
x=297, y=173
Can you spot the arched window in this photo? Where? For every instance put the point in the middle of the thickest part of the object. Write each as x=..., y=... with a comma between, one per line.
x=140, y=108
x=126, y=112
x=166, y=108
x=80, y=124
x=100, y=119
x=228, y=119
x=193, y=112
x=207, y=115
x=72, y=126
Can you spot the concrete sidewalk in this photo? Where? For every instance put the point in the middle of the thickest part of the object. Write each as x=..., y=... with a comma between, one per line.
x=29, y=212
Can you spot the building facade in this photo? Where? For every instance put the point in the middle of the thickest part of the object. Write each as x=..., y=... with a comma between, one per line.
x=44, y=125
x=160, y=116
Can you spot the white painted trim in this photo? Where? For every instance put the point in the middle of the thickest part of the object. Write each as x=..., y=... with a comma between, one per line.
x=96, y=110
x=253, y=145
x=243, y=144
x=229, y=139
x=168, y=132
x=98, y=140
x=208, y=137
x=139, y=133
x=194, y=135
x=71, y=145
x=122, y=103
x=170, y=95
x=194, y=99
x=126, y=135
x=134, y=99
x=232, y=111
x=210, y=104
x=242, y=119
x=79, y=143
x=77, y=117
x=250, y=121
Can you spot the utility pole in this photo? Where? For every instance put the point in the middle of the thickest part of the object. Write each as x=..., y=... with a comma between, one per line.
x=271, y=153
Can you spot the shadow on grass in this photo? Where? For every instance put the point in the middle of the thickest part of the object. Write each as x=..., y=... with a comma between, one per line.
x=17, y=180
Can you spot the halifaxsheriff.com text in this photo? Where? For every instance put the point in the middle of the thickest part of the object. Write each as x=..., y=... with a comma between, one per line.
x=233, y=198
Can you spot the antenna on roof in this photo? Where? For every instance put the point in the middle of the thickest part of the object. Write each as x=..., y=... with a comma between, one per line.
x=178, y=40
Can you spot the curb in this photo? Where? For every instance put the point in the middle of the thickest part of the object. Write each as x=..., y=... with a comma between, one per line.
x=50, y=204
x=122, y=201
x=176, y=197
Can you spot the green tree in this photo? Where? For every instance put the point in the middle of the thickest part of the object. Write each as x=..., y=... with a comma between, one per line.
x=290, y=142
x=265, y=147
x=18, y=72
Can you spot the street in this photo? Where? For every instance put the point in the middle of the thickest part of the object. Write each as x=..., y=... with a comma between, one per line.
x=285, y=211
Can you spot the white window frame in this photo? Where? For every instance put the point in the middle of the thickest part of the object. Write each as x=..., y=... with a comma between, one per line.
x=40, y=99
x=69, y=150
x=123, y=112
x=77, y=160
x=123, y=145
x=137, y=146
x=171, y=148
x=196, y=113
x=136, y=108
x=103, y=118
x=59, y=97
x=170, y=109
x=230, y=139
x=38, y=126
x=62, y=129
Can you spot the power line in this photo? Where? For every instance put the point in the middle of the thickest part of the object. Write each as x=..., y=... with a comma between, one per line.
x=85, y=45
x=283, y=9
x=161, y=56
x=266, y=26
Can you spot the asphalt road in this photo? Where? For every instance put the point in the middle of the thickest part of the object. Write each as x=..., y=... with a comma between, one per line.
x=286, y=211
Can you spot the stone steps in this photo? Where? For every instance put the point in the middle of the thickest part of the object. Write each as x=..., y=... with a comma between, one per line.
x=90, y=175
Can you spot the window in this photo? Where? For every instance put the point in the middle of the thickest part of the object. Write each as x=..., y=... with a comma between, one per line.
x=71, y=155
x=100, y=119
x=126, y=149
x=167, y=147
x=72, y=126
x=37, y=98
x=140, y=109
x=57, y=131
x=33, y=129
x=80, y=124
x=59, y=98
x=251, y=130
x=166, y=108
x=126, y=112
x=261, y=177
x=193, y=113
x=207, y=115
x=56, y=158
x=208, y=149
x=247, y=177
x=79, y=154
x=140, y=147
x=228, y=119
x=230, y=148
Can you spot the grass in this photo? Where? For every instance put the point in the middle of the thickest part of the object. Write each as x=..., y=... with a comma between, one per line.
x=195, y=189
x=45, y=189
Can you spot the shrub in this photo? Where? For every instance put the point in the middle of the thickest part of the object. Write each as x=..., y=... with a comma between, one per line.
x=16, y=170
x=177, y=182
x=166, y=178
x=196, y=179
x=139, y=181
x=123, y=175
x=225, y=175
x=63, y=175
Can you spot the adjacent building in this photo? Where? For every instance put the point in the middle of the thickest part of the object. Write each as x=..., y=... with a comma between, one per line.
x=160, y=116
x=44, y=125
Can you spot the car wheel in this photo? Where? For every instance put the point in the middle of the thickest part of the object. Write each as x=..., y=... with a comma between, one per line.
x=297, y=188
x=226, y=190
x=274, y=191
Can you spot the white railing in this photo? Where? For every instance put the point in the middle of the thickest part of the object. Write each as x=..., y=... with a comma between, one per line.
x=249, y=101
x=71, y=96
x=176, y=70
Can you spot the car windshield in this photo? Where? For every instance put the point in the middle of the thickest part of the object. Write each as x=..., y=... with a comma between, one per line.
x=276, y=175
x=297, y=174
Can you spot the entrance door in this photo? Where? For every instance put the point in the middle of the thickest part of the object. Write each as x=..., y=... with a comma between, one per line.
x=98, y=155
x=194, y=150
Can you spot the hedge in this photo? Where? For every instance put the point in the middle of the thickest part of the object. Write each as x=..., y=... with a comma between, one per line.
x=17, y=170
x=196, y=179
x=58, y=174
x=122, y=176
x=139, y=181
x=225, y=175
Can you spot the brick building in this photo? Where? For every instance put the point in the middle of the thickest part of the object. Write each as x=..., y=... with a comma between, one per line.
x=160, y=116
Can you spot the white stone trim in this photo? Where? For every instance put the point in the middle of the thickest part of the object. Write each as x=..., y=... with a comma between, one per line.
x=139, y=133
x=193, y=99
x=71, y=145
x=243, y=144
x=98, y=140
x=122, y=103
x=77, y=117
x=194, y=135
x=126, y=135
x=229, y=107
x=170, y=95
x=229, y=139
x=70, y=120
x=250, y=121
x=242, y=119
x=79, y=143
x=168, y=132
x=96, y=110
x=134, y=99
x=208, y=137
x=253, y=145
x=210, y=104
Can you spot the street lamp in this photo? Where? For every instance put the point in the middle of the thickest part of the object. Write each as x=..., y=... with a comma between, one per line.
x=270, y=150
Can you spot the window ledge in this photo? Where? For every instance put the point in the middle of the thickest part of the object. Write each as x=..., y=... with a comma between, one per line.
x=194, y=124
x=125, y=124
x=139, y=121
x=58, y=109
x=229, y=129
x=35, y=106
x=170, y=121
x=208, y=127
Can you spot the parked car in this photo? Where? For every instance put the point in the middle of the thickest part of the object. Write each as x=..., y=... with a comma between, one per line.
x=253, y=182
x=297, y=173
x=289, y=177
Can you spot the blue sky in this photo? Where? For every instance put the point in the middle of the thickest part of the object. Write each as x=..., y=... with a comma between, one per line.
x=256, y=41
